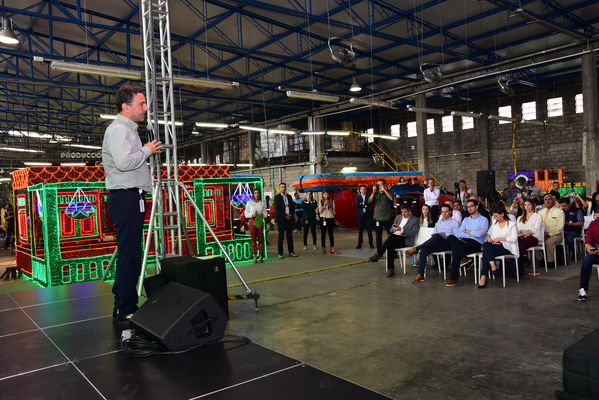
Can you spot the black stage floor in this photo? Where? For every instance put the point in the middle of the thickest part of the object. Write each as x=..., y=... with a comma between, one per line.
x=60, y=343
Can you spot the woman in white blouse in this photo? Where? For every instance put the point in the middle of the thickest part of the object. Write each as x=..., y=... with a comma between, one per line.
x=326, y=209
x=502, y=239
x=530, y=230
x=256, y=212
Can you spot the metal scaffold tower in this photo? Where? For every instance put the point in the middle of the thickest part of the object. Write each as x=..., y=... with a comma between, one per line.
x=166, y=222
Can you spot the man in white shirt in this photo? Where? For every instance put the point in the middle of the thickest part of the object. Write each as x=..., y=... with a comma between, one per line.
x=431, y=198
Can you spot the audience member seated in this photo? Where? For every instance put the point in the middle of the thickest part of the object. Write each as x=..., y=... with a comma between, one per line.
x=456, y=210
x=502, y=239
x=502, y=203
x=530, y=231
x=555, y=190
x=403, y=234
x=591, y=245
x=480, y=209
x=469, y=239
x=511, y=192
x=573, y=223
x=593, y=205
x=580, y=203
x=445, y=227
x=426, y=219
x=553, y=221
x=517, y=207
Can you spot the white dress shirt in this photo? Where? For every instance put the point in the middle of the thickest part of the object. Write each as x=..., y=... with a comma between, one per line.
x=509, y=232
x=533, y=223
x=253, y=208
x=431, y=197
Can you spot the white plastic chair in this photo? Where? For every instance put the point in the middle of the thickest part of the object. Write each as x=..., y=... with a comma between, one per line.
x=478, y=256
x=579, y=241
x=424, y=234
x=503, y=260
x=563, y=244
x=531, y=256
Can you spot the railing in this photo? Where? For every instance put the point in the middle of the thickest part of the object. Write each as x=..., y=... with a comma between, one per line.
x=391, y=158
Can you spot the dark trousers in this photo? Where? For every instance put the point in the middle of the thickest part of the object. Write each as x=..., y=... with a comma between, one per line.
x=285, y=227
x=9, y=239
x=299, y=220
x=435, y=213
x=586, y=269
x=569, y=237
x=379, y=227
x=309, y=224
x=327, y=225
x=525, y=243
x=393, y=242
x=123, y=208
x=490, y=251
x=459, y=249
x=434, y=244
x=364, y=222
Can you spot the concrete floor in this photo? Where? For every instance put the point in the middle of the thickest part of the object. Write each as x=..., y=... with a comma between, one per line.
x=424, y=341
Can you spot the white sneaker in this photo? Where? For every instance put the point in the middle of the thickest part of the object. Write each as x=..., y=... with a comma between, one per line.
x=313, y=247
x=305, y=247
x=582, y=295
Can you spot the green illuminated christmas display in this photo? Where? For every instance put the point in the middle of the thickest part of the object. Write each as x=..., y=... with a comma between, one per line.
x=66, y=236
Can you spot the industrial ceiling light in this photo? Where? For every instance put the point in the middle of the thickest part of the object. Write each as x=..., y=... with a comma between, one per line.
x=20, y=149
x=377, y=136
x=204, y=82
x=37, y=164
x=252, y=128
x=500, y=118
x=37, y=135
x=282, y=131
x=244, y=165
x=338, y=133
x=101, y=70
x=299, y=94
x=7, y=35
x=84, y=146
x=426, y=110
x=533, y=122
x=466, y=114
x=371, y=103
x=161, y=122
x=194, y=132
x=216, y=125
x=355, y=86
x=73, y=164
x=312, y=133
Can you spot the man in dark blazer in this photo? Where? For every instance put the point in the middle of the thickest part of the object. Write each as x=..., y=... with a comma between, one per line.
x=403, y=234
x=364, y=216
x=284, y=209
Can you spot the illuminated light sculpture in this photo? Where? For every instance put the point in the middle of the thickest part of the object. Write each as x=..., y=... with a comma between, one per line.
x=66, y=236
x=80, y=207
x=241, y=195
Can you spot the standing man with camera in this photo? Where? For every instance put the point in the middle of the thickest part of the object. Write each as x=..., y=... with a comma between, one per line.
x=128, y=179
x=383, y=211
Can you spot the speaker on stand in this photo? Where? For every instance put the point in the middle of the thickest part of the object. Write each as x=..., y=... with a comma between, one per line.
x=485, y=184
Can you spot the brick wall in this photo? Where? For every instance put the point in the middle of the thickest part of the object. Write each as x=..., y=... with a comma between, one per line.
x=456, y=155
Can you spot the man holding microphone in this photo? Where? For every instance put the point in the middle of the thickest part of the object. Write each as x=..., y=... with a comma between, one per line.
x=128, y=179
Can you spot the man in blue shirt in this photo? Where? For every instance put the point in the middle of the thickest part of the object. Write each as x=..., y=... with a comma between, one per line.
x=469, y=240
x=574, y=222
x=445, y=227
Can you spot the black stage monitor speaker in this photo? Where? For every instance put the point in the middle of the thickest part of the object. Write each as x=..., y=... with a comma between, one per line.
x=581, y=368
x=485, y=183
x=202, y=273
x=180, y=317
